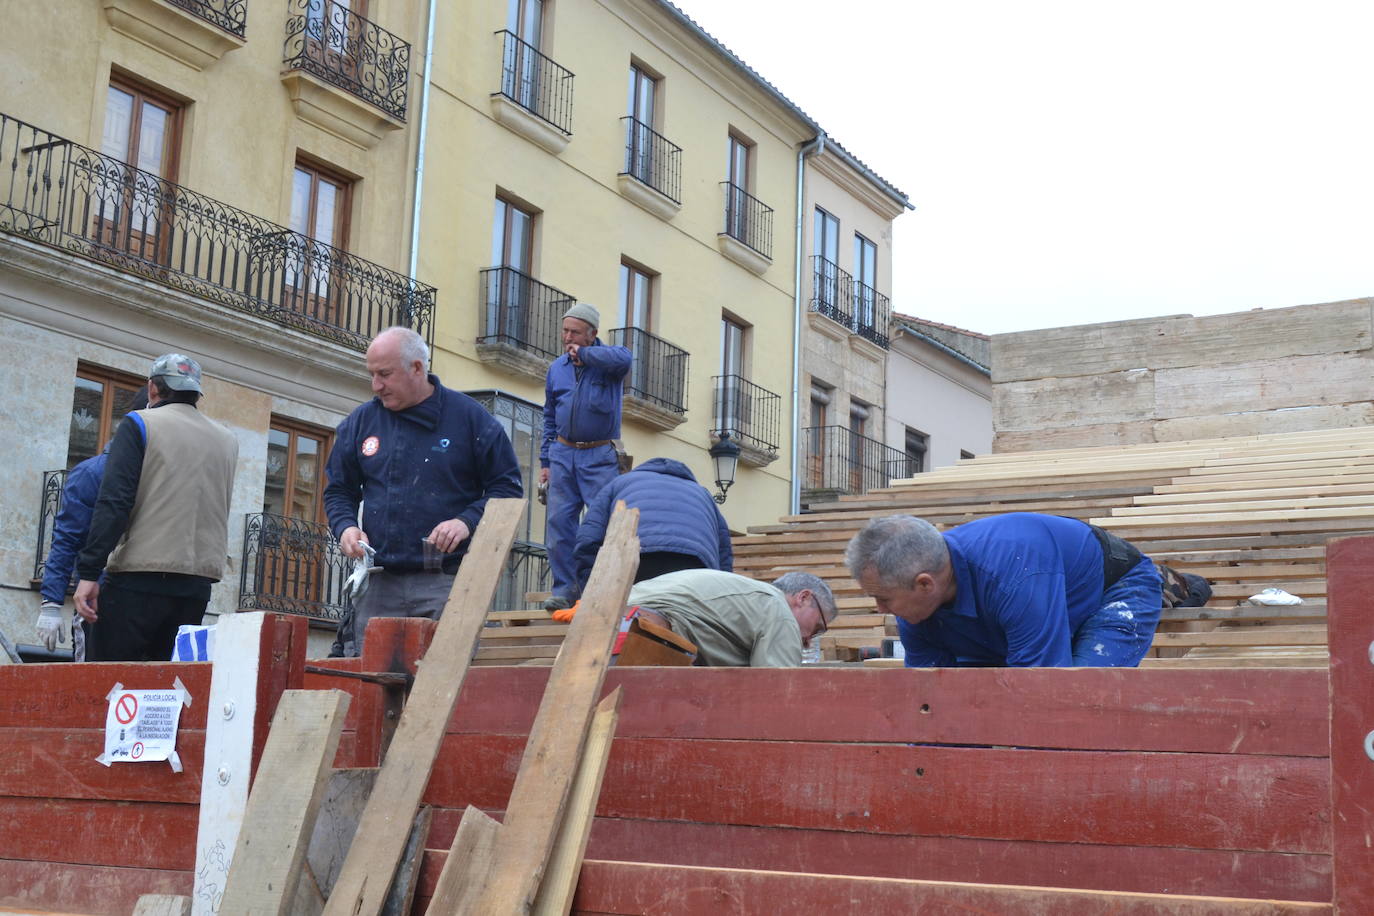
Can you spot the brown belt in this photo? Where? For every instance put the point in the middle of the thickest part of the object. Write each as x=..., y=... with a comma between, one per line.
x=597, y=444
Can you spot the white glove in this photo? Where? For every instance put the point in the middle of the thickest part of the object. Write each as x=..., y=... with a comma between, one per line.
x=355, y=586
x=52, y=625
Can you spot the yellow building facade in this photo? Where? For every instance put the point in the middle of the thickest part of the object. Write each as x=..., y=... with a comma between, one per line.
x=264, y=186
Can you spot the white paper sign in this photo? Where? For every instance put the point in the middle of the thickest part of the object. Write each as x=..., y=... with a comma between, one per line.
x=141, y=725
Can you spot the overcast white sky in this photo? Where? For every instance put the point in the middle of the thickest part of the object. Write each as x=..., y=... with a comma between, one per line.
x=1076, y=161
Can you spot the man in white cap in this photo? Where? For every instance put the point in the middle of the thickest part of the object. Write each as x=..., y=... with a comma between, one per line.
x=159, y=529
x=582, y=396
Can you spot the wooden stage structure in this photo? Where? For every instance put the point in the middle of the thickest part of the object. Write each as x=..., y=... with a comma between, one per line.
x=1243, y=790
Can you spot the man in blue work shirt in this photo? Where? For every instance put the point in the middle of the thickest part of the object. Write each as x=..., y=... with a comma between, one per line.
x=1020, y=590
x=69, y=532
x=422, y=460
x=582, y=395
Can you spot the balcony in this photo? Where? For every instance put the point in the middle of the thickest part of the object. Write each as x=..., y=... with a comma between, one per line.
x=847, y=302
x=748, y=235
x=535, y=99
x=750, y=414
x=653, y=170
x=49, y=505
x=656, y=385
x=522, y=322
x=330, y=48
x=840, y=461
x=76, y=199
x=291, y=566
x=195, y=32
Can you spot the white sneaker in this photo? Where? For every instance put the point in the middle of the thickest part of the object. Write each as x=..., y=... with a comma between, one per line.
x=1275, y=597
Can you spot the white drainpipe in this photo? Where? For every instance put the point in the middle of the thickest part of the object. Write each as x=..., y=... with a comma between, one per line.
x=814, y=147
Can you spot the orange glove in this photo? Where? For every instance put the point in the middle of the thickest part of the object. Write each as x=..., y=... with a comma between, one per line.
x=566, y=614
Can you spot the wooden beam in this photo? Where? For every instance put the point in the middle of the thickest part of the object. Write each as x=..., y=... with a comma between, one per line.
x=560, y=878
x=469, y=858
x=280, y=815
x=549, y=765
x=361, y=889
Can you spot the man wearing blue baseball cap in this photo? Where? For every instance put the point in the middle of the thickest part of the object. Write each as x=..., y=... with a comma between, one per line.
x=160, y=527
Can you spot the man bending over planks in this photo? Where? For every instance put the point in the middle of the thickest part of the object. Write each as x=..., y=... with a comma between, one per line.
x=1019, y=590
x=731, y=620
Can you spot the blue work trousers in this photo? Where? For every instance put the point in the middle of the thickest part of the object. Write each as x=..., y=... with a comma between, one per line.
x=575, y=476
x=1119, y=635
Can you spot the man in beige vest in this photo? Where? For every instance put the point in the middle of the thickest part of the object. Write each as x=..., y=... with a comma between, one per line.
x=161, y=521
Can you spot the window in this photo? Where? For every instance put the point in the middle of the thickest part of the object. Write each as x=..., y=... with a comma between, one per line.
x=858, y=425
x=865, y=278
x=821, y=396
x=737, y=187
x=636, y=298
x=825, y=242
x=295, y=470
x=639, y=150
x=917, y=444
x=331, y=33
x=142, y=130
x=731, y=347
x=319, y=211
x=525, y=20
x=100, y=400
x=510, y=288
x=733, y=406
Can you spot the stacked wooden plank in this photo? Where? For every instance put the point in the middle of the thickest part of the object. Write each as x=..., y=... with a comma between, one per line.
x=1247, y=513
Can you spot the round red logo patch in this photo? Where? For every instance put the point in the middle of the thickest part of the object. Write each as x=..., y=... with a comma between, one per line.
x=370, y=446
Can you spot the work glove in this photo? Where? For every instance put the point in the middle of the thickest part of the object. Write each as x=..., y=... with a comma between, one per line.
x=567, y=614
x=52, y=625
x=356, y=584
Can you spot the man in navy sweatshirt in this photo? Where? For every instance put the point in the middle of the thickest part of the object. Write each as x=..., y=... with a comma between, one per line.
x=422, y=460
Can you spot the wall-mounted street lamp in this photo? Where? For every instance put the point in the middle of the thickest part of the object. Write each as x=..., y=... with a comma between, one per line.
x=725, y=456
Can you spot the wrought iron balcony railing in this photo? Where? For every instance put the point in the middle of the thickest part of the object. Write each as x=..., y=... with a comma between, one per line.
x=872, y=313
x=659, y=371
x=652, y=159
x=749, y=413
x=230, y=15
x=832, y=291
x=857, y=306
x=748, y=220
x=527, y=570
x=839, y=460
x=64, y=194
x=327, y=39
x=522, y=312
x=292, y=566
x=49, y=504
x=536, y=83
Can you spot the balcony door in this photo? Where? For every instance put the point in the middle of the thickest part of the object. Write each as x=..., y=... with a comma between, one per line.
x=510, y=295
x=133, y=206
x=293, y=560
x=733, y=407
x=635, y=315
x=737, y=187
x=331, y=31
x=525, y=20
x=825, y=243
x=100, y=400
x=319, y=217
x=639, y=151
x=865, y=282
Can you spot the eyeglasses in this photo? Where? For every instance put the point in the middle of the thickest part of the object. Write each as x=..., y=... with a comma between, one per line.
x=820, y=618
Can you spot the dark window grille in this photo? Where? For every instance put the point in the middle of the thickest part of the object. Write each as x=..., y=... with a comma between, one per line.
x=748, y=220
x=523, y=421
x=522, y=312
x=749, y=413
x=652, y=159
x=527, y=570
x=658, y=372
x=230, y=15
x=871, y=314
x=49, y=504
x=291, y=566
x=70, y=196
x=839, y=460
x=832, y=291
x=328, y=40
x=536, y=83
